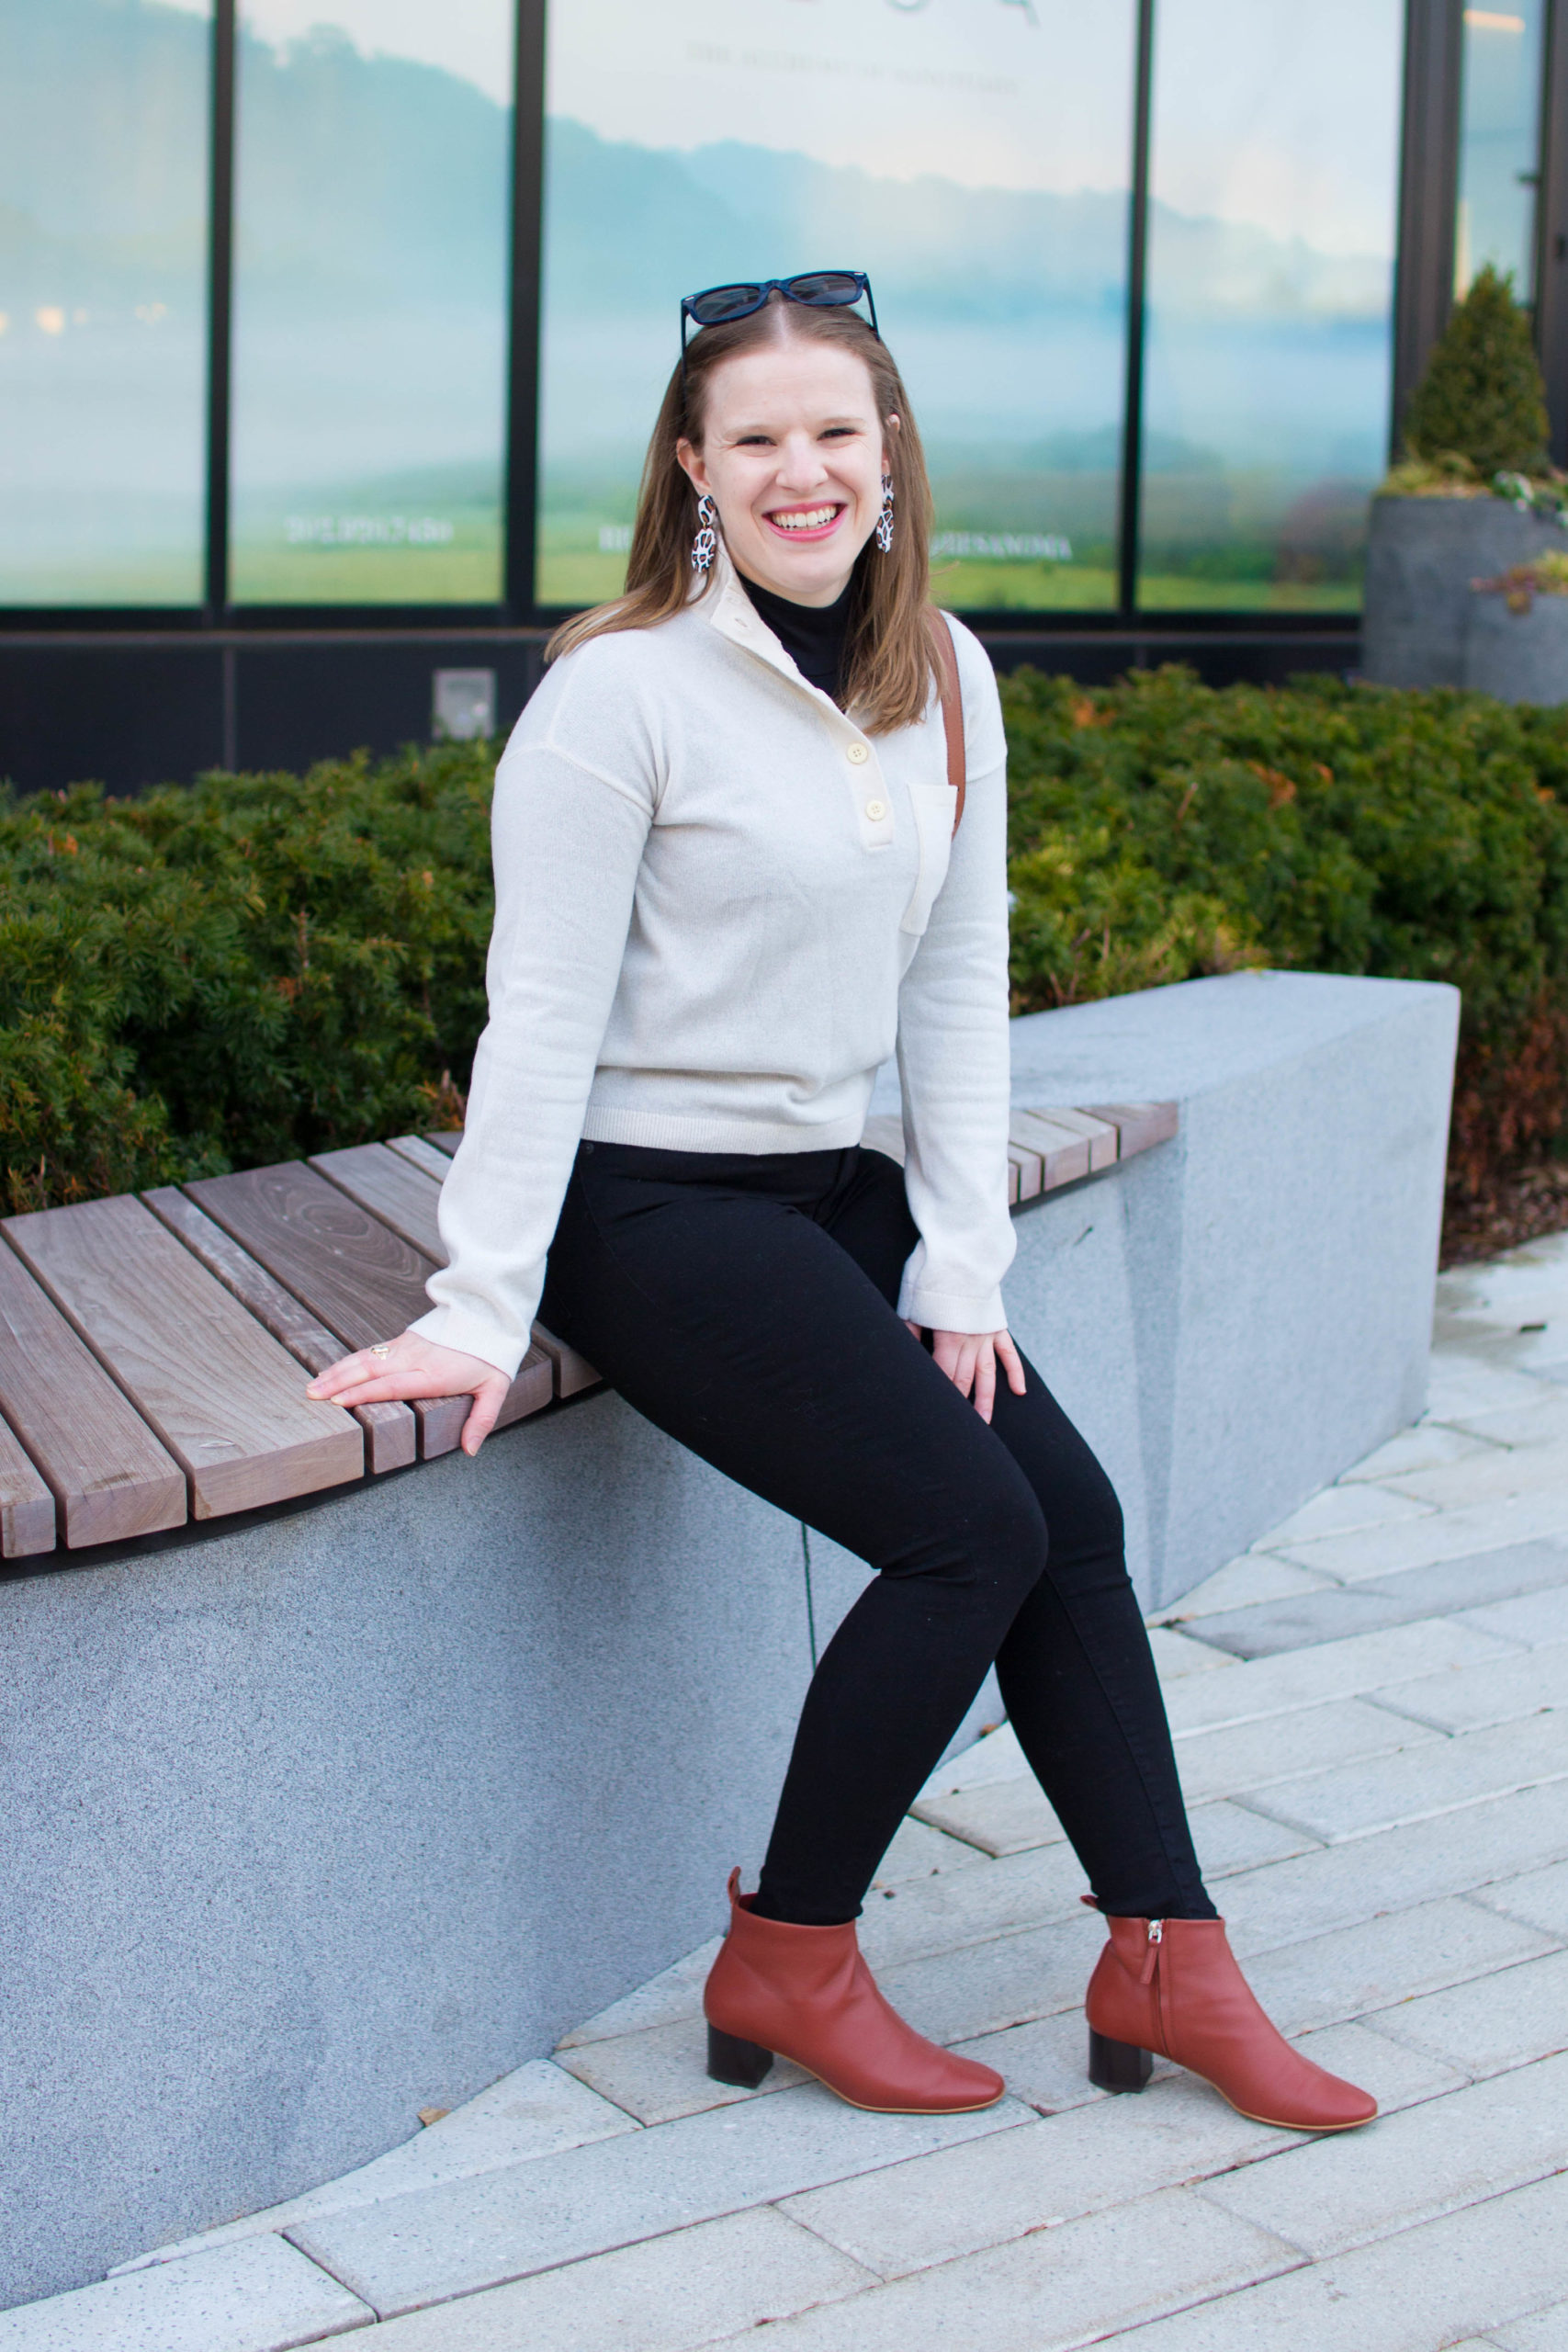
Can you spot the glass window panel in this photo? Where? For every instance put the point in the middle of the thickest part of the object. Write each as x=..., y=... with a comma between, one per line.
x=105, y=125
x=971, y=156
x=1499, y=152
x=1274, y=170
x=372, y=229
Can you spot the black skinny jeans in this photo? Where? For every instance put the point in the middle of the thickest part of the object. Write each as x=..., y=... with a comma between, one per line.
x=747, y=1305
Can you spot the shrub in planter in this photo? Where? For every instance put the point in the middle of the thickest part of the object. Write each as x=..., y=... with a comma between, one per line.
x=1516, y=642
x=1481, y=400
x=1474, y=495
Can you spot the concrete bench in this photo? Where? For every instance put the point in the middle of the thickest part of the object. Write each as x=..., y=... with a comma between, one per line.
x=324, y=1812
x=150, y=1349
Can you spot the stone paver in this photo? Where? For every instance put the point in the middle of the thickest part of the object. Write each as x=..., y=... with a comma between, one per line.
x=1250, y=1582
x=1373, y=1705
x=1430, y=1443
x=1324, y=1979
x=409, y=2251
x=1437, y=1589
x=1418, y=1783
x=1547, y=2332
x=1492, y=1525
x=912, y=2217
x=1537, y=1619
x=1502, y=1693
x=537, y=2111
x=1343, y=1509
x=258, y=2297
x=1538, y=1897
x=661, y=2074
x=1242, y=1758
x=1415, y=2292
x=1297, y=1678
x=1178, y=1655
x=1492, y=2022
x=1349, y=2187
x=1054, y=2288
x=1471, y=1853
x=665, y=2295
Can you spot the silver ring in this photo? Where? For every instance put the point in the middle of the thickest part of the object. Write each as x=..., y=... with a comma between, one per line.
x=384, y=1350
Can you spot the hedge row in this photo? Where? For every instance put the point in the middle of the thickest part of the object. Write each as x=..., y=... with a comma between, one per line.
x=260, y=967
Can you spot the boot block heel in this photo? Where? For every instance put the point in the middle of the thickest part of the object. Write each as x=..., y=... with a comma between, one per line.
x=731, y=2060
x=1114, y=2065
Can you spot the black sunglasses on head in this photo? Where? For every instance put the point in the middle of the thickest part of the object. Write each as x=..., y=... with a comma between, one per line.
x=819, y=289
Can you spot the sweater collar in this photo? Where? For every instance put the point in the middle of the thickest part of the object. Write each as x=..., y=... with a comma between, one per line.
x=726, y=606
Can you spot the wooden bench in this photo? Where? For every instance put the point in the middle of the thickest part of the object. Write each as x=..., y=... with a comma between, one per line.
x=150, y=1348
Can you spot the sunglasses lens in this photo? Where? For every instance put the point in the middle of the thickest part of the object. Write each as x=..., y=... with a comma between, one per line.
x=721, y=302
x=826, y=289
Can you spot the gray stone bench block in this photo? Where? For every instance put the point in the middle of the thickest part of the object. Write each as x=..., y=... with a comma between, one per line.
x=320, y=1820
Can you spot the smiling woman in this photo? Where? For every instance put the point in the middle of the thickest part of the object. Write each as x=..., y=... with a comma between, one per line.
x=729, y=885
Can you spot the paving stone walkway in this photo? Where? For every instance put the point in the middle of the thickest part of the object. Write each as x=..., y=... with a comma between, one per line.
x=1369, y=1708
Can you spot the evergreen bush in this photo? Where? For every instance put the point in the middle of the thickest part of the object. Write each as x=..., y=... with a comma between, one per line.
x=1161, y=830
x=260, y=967
x=242, y=971
x=1481, y=401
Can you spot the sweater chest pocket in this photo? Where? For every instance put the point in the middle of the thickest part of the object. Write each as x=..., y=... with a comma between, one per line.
x=934, y=804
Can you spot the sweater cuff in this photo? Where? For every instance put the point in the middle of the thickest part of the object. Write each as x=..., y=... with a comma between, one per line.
x=450, y=1327
x=936, y=1310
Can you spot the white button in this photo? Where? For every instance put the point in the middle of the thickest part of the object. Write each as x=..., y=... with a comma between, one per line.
x=876, y=810
x=857, y=755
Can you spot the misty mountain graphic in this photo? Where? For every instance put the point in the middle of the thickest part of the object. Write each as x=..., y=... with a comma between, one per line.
x=380, y=175
x=637, y=225
x=371, y=238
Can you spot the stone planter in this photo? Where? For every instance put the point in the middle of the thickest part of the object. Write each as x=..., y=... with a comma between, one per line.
x=1422, y=554
x=1518, y=657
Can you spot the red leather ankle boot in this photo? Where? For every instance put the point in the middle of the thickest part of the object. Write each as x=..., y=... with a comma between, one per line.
x=807, y=1994
x=1173, y=1986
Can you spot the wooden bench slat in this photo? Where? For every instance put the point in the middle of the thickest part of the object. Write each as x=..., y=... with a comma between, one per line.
x=390, y=1188
x=1064, y=1154
x=1029, y=1171
x=391, y=1433
x=362, y=1279
x=1139, y=1125
x=445, y=1139
x=26, y=1507
x=402, y=1196
x=225, y=1397
x=110, y=1477
x=1099, y=1135
x=421, y=1154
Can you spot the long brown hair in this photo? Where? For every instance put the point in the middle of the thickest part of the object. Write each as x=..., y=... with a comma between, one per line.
x=888, y=664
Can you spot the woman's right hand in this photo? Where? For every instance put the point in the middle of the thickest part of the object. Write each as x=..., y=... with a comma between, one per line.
x=416, y=1367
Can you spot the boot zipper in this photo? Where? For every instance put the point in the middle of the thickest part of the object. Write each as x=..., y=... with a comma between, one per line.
x=1151, y=1958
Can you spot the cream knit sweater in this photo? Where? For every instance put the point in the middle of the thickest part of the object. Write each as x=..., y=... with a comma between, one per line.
x=720, y=907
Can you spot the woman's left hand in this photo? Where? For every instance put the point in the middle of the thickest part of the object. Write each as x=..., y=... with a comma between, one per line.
x=970, y=1361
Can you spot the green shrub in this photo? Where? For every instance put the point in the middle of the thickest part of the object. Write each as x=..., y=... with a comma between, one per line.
x=1162, y=829
x=261, y=967
x=1482, y=399
x=246, y=970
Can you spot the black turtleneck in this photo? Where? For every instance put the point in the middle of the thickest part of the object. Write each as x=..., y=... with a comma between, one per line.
x=812, y=635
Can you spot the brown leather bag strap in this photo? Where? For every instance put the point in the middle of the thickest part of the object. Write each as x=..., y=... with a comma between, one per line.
x=952, y=708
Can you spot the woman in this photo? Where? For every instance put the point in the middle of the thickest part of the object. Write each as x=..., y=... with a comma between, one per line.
x=728, y=885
